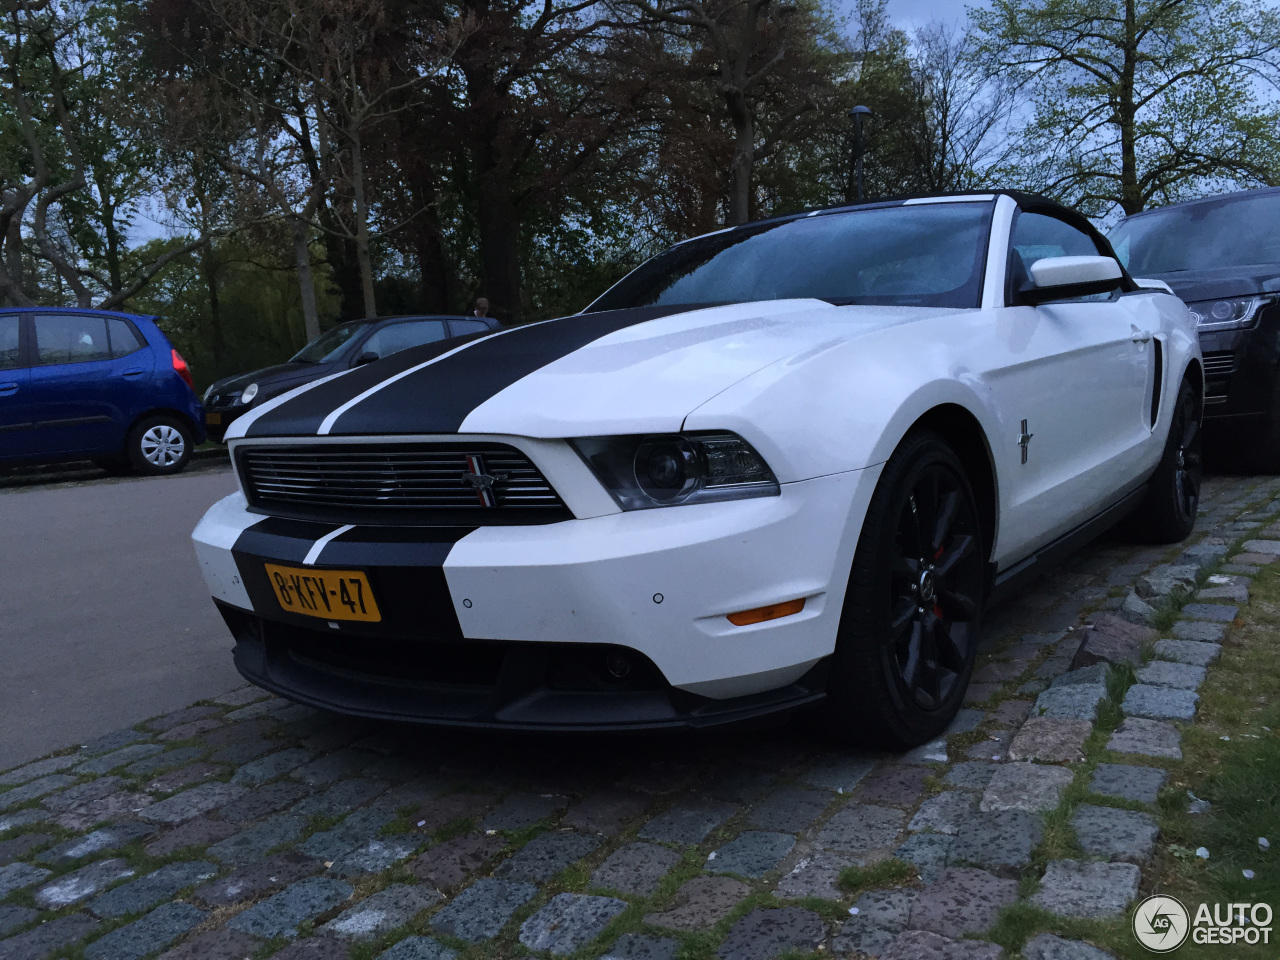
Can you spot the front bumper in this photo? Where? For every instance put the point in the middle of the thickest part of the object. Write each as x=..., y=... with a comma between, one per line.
x=1242, y=369
x=511, y=626
x=225, y=417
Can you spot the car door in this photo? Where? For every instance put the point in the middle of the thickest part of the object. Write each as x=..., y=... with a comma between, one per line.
x=400, y=335
x=1074, y=389
x=15, y=393
x=82, y=394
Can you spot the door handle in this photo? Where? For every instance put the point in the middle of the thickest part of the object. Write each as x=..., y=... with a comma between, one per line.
x=132, y=374
x=1140, y=336
x=8, y=389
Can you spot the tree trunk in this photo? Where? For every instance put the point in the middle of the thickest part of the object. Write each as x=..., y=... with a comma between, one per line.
x=744, y=155
x=113, y=246
x=209, y=269
x=1126, y=114
x=499, y=248
x=306, y=281
x=362, y=223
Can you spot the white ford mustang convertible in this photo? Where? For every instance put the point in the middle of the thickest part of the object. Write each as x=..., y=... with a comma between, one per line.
x=781, y=466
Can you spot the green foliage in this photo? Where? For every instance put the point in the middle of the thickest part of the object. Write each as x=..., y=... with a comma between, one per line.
x=259, y=319
x=1134, y=103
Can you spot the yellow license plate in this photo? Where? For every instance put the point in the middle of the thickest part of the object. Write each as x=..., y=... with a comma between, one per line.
x=327, y=594
x=214, y=418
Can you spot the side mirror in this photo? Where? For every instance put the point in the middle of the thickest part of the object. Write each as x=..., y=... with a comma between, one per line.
x=366, y=358
x=1061, y=278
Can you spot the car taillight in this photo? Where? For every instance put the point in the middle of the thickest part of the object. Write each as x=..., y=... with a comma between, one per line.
x=181, y=369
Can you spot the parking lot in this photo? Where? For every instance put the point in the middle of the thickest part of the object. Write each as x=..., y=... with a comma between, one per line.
x=232, y=822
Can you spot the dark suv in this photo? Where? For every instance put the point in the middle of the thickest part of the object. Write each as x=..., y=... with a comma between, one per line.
x=347, y=345
x=1221, y=255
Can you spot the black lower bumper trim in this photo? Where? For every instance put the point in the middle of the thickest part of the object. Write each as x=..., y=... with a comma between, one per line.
x=552, y=687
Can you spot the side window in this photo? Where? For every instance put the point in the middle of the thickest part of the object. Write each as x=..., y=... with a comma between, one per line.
x=1035, y=237
x=463, y=327
x=70, y=338
x=124, y=339
x=400, y=336
x=9, y=327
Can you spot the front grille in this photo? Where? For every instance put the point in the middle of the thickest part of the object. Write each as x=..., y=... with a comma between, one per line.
x=417, y=484
x=1219, y=363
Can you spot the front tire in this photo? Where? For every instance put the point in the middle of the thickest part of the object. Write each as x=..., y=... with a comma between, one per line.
x=909, y=627
x=159, y=445
x=1168, y=512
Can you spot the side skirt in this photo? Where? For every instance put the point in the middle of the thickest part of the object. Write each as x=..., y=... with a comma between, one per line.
x=1004, y=583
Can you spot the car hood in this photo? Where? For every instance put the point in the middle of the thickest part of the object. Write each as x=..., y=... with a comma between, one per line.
x=1193, y=285
x=279, y=376
x=617, y=371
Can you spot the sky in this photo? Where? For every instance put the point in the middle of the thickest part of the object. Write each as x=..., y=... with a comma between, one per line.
x=910, y=14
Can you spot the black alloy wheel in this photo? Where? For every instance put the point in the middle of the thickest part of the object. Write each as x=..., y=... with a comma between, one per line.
x=1189, y=458
x=909, y=626
x=1168, y=512
x=936, y=588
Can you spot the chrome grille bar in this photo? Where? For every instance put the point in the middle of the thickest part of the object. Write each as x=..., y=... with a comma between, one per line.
x=400, y=483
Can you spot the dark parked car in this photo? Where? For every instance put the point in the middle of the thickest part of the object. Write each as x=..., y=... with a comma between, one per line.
x=347, y=345
x=94, y=384
x=1222, y=256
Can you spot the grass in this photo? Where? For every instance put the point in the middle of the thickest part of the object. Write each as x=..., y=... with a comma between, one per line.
x=1231, y=757
x=883, y=873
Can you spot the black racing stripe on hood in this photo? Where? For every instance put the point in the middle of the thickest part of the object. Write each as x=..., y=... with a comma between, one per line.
x=438, y=398
x=303, y=415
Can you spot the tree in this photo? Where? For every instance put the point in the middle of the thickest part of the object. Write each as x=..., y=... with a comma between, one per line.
x=70, y=173
x=759, y=55
x=1136, y=102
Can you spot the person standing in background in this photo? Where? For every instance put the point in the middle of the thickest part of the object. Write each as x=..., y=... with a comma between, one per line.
x=481, y=307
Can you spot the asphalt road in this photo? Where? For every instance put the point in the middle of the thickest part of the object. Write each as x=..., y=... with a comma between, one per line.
x=104, y=617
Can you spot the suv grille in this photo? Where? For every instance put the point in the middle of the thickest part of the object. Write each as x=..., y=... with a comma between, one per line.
x=1219, y=363
x=417, y=484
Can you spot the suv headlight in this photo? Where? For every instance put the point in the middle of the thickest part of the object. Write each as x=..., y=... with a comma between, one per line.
x=1233, y=313
x=669, y=469
x=249, y=393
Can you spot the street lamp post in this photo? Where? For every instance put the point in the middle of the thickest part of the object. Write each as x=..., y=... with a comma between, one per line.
x=857, y=114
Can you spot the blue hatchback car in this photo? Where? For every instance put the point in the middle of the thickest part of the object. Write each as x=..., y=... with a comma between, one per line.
x=94, y=385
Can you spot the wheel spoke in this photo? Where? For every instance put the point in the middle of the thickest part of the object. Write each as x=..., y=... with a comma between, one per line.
x=1190, y=430
x=957, y=606
x=913, y=654
x=957, y=550
x=946, y=517
x=950, y=652
x=901, y=619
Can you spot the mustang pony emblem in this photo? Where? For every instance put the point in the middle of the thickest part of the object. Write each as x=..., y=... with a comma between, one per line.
x=479, y=481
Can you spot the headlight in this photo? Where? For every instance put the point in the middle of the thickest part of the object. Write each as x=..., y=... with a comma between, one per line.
x=208, y=390
x=662, y=471
x=249, y=393
x=1234, y=313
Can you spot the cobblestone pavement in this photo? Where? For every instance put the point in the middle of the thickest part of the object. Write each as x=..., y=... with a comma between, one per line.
x=248, y=826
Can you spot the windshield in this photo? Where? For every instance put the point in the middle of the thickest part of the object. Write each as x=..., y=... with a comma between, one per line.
x=918, y=255
x=326, y=347
x=1204, y=236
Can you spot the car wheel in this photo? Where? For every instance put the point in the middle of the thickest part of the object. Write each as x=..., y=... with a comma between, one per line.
x=1168, y=512
x=909, y=627
x=159, y=445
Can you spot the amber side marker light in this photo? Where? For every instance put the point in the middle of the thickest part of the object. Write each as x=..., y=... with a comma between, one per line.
x=761, y=614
